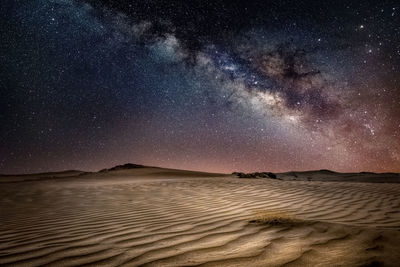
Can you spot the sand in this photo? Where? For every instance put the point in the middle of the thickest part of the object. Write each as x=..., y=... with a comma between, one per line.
x=158, y=217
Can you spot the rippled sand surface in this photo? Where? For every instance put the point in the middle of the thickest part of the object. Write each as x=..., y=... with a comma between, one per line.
x=150, y=217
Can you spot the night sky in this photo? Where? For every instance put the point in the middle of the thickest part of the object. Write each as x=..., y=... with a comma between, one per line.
x=203, y=85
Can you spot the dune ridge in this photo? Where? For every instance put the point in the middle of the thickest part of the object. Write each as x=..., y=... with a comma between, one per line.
x=169, y=218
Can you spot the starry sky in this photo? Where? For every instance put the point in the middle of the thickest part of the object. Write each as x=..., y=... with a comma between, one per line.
x=217, y=86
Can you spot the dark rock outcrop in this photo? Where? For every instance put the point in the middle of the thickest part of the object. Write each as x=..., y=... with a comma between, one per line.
x=255, y=175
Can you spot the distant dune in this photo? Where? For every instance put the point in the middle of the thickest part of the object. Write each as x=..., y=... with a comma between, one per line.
x=7, y=178
x=147, y=216
x=327, y=175
x=128, y=170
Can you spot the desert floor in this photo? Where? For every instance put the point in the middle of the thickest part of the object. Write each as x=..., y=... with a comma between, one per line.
x=157, y=217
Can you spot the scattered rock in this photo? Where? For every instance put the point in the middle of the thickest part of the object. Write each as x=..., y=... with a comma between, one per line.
x=255, y=175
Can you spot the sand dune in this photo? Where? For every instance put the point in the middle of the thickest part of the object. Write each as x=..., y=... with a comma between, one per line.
x=160, y=217
x=330, y=176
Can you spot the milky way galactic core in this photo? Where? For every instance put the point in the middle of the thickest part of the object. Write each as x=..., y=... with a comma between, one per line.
x=205, y=85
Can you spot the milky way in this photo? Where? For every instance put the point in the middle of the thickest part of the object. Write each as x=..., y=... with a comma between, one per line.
x=207, y=86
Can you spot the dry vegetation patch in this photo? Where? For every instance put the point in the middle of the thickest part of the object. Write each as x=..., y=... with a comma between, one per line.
x=274, y=217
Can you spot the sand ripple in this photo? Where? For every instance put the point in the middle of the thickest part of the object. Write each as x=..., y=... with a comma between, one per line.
x=187, y=222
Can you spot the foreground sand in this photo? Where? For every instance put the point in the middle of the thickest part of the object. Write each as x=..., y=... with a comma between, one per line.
x=156, y=217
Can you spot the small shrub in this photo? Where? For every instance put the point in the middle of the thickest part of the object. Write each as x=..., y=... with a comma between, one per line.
x=274, y=217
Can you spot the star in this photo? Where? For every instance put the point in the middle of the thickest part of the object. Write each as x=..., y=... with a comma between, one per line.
x=183, y=85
